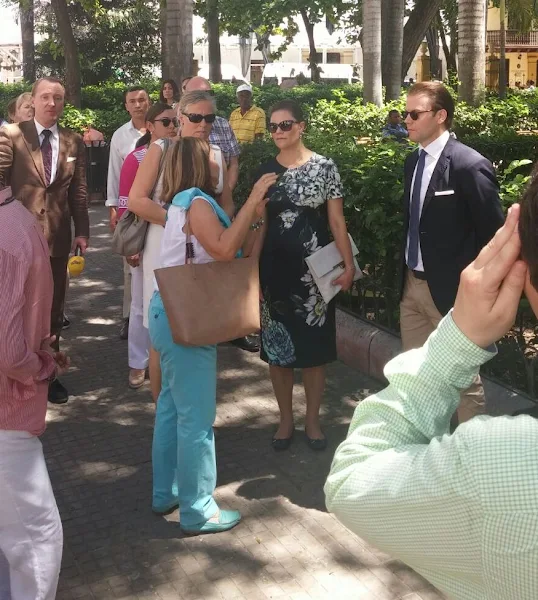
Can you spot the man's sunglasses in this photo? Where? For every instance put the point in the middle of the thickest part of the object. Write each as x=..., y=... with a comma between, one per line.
x=415, y=114
x=196, y=118
x=166, y=121
x=283, y=125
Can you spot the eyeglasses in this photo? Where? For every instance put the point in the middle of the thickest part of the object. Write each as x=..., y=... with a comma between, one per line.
x=283, y=125
x=196, y=118
x=166, y=121
x=415, y=114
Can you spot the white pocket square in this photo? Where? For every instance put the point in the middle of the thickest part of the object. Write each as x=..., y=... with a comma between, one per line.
x=71, y=158
x=445, y=193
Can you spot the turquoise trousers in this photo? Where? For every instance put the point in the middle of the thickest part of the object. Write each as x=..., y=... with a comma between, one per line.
x=183, y=439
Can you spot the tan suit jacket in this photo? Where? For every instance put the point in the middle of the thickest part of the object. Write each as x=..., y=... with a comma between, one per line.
x=21, y=166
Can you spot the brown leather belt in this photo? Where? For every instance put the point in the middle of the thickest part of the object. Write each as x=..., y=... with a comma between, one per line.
x=419, y=275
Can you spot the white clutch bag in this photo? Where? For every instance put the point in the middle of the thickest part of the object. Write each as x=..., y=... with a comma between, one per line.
x=327, y=264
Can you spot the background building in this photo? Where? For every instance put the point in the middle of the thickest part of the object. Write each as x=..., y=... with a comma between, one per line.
x=521, y=53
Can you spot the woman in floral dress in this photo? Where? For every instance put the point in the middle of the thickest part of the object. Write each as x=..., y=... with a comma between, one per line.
x=298, y=327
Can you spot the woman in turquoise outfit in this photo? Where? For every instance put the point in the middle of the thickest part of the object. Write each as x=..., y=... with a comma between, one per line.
x=183, y=441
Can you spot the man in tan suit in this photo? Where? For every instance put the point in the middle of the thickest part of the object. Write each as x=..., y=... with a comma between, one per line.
x=45, y=166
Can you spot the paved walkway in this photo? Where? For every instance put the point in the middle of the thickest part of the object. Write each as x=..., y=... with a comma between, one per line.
x=98, y=449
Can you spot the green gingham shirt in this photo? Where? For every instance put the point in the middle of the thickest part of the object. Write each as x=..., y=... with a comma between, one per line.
x=460, y=509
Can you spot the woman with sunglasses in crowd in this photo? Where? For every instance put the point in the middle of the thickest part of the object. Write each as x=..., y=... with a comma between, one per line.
x=161, y=123
x=183, y=454
x=196, y=112
x=298, y=328
x=169, y=93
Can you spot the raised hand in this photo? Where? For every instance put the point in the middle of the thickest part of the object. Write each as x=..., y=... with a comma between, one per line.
x=491, y=286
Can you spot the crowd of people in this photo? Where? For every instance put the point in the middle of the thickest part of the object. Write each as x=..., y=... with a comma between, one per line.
x=461, y=508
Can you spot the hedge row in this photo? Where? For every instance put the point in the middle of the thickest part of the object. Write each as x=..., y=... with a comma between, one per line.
x=103, y=105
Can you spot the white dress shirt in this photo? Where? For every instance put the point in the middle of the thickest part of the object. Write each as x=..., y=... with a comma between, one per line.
x=433, y=152
x=54, y=142
x=123, y=142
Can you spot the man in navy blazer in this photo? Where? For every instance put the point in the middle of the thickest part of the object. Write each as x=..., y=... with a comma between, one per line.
x=451, y=210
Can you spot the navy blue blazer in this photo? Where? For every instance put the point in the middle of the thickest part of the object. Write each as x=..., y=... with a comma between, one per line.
x=455, y=225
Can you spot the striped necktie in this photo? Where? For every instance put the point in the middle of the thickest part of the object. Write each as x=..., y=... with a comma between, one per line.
x=46, y=153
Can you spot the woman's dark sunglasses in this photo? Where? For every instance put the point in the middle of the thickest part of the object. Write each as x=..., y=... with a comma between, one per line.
x=166, y=121
x=196, y=118
x=414, y=114
x=283, y=125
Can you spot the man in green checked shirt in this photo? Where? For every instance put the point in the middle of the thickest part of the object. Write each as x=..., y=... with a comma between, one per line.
x=460, y=509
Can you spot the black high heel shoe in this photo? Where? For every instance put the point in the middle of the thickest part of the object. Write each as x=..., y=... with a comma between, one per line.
x=279, y=444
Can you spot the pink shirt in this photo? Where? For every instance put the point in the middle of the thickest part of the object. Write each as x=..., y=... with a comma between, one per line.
x=127, y=176
x=25, y=305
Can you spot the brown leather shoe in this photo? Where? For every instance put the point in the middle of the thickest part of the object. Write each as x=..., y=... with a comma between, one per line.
x=136, y=378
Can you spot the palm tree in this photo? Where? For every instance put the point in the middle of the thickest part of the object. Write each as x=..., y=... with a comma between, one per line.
x=472, y=50
x=371, y=49
x=392, y=20
x=179, y=43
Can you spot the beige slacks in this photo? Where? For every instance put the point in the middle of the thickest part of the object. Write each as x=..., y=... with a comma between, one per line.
x=126, y=289
x=419, y=317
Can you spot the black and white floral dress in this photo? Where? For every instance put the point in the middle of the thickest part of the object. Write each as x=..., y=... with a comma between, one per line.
x=298, y=327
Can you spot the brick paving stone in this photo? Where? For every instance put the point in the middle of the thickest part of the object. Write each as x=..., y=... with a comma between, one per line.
x=98, y=450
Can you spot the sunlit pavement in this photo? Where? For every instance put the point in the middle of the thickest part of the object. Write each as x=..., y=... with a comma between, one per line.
x=98, y=449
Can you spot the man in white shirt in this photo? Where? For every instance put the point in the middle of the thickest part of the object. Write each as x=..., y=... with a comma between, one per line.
x=451, y=211
x=136, y=100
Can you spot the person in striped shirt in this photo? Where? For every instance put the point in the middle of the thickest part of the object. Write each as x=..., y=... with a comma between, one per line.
x=31, y=538
x=247, y=121
x=460, y=509
x=161, y=122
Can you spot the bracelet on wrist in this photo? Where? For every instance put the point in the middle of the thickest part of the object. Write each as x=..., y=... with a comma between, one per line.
x=257, y=225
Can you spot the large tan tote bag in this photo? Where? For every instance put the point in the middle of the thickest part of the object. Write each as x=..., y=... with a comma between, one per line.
x=210, y=303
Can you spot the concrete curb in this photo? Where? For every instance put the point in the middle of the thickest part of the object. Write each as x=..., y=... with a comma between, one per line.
x=363, y=346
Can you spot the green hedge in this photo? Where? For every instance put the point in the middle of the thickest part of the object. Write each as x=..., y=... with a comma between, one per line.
x=332, y=109
x=372, y=177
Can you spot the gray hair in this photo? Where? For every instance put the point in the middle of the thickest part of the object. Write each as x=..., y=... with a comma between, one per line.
x=193, y=98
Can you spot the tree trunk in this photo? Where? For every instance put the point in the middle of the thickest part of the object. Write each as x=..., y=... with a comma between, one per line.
x=472, y=51
x=72, y=63
x=371, y=51
x=179, y=38
x=432, y=38
x=502, y=59
x=392, y=22
x=449, y=52
x=165, y=55
x=312, y=59
x=26, y=13
x=415, y=29
x=213, y=40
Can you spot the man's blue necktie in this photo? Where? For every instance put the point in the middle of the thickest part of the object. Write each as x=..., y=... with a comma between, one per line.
x=414, y=213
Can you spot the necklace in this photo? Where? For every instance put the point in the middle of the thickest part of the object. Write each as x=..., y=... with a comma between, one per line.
x=298, y=163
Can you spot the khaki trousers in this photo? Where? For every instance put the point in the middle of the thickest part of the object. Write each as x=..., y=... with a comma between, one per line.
x=419, y=317
x=126, y=289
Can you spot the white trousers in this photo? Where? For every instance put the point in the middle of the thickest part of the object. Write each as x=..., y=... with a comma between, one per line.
x=138, y=341
x=31, y=537
x=126, y=289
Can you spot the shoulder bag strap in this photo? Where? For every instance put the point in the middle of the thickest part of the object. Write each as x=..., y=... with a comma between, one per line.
x=189, y=246
x=161, y=165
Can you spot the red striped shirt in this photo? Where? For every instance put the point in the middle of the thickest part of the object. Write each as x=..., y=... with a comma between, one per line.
x=25, y=304
x=128, y=173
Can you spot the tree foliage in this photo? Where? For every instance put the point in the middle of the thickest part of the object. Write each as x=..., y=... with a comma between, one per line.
x=265, y=18
x=116, y=39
